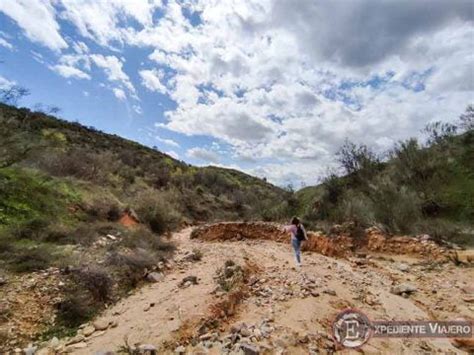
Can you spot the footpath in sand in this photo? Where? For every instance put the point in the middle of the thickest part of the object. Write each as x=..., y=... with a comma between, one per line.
x=283, y=310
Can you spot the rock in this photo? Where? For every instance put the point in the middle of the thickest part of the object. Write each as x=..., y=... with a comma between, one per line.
x=77, y=339
x=468, y=299
x=88, y=330
x=3, y=281
x=403, y=267
x=80, y=345
x=30, y=350
x=245, y=332
x=236, y=328
x=54, y=343
x=190, y=280
x=106, y=352
x=314, y=293
x=180, y=350
x=206, y=336
x=147, y=349
x=329, y=292
x=155, y=277
x=101, y=324
x=403, y=288
x=249, y=349
x=45, y=351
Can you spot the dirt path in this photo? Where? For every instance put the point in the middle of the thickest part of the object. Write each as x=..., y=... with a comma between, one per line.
x=296, y=307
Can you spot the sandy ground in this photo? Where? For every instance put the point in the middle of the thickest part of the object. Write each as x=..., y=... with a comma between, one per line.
x=155, y=313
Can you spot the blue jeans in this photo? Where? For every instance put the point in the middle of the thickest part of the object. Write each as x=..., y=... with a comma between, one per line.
x=297, y=248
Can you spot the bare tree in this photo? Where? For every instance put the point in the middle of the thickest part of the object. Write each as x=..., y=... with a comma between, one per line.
x=46, y=109
x=11, y=95
x=467, y=118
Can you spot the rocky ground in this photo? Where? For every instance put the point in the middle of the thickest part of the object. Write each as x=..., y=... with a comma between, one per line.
x=274, y=307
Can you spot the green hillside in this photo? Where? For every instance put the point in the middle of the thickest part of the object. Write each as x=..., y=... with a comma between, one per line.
x=417, y=188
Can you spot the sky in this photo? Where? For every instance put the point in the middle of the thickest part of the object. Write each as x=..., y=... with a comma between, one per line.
x=269, y=87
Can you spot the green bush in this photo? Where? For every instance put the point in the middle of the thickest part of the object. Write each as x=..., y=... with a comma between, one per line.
x=30, y=259
x=131, y=267
x=142, y=238
x=157, y=211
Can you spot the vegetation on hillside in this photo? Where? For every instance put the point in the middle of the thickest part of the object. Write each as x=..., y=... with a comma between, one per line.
x=418, y=187
x=64, y=187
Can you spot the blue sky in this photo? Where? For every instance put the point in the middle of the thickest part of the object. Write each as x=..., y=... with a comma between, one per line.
x=269, y=87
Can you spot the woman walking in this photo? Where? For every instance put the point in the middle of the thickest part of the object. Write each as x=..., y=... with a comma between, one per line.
x=298, y=235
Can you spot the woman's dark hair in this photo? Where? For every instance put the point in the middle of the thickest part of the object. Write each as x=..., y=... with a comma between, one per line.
x=295, y=221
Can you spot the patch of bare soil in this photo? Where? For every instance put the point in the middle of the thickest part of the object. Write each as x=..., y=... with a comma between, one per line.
x=276, y=308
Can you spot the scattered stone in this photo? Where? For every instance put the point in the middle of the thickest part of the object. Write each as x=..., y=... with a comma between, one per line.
x=30, y=350
x=80, y=345
x=249, y=349
x=101, y=324
x=314, y=293
x=54, y=343
x=3, y=281
x=147, y=349
x=112, y=237
x=206, y=336
x=88, y=330
x=403, y=288
x=245, y=332
x=180, y=350
x=77, y=339
x=329, y=292
x=469, y=299
x=188, y=281
x=155, y=277
x=403, y=267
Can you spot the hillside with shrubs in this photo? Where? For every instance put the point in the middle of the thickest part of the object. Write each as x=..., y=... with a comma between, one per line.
x=420, y=186
x=65, y=188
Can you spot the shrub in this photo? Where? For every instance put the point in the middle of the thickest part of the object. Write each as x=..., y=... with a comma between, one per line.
x=96, y=281
x=76, y=309
x=142, y=238
x=155, y=209
x=230, y=276
x=27, y=260
x=131, y=267
x=33, y=229
x=196, y=254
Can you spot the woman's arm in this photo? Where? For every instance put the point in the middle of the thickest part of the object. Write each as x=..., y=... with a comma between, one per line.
x=304, y=231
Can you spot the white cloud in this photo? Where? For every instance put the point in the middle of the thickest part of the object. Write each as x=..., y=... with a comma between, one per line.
x=37, y=19
x=80, y=47
x=112, y=67
x=203, y=154
x=68, y=71
x=280, y=84
x=101, y=20
x=119, y=94
x=169, y=142
x=5, y=43
x=173, y=154
x=151, y=80
x=5, y=83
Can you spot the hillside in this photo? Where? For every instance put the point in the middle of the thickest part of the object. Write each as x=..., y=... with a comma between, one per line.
x=414, y=188
x=67, y=191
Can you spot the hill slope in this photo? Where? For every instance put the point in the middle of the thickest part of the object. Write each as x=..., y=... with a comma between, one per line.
x=419, y=189
x=68, y=191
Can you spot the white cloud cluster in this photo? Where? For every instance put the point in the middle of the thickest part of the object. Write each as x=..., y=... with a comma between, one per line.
x=38, y=20
x=281, y=83
x=203, y=154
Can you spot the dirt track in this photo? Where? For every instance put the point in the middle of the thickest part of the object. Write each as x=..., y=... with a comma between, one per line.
x=300, y=322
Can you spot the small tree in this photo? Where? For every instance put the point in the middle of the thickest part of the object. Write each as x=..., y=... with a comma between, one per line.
x=467, y=118
x=13, y=94
x=358, y=161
